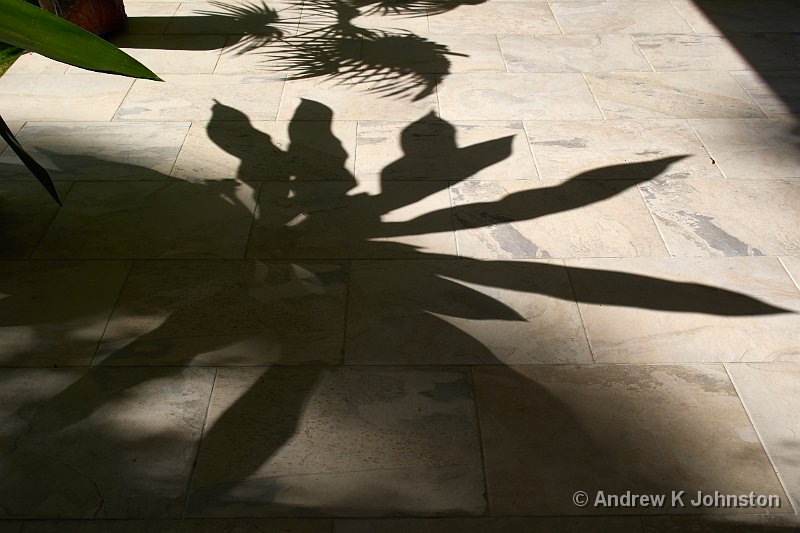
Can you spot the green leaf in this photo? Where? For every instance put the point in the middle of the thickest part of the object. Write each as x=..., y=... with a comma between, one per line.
x=37, y=169
x=34, y=29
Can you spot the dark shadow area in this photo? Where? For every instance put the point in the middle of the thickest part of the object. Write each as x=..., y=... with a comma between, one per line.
x=766, y=34
x=286, y=308
x=323, y=43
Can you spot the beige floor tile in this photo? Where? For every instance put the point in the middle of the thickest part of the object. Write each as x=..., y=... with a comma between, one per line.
x=721, y=523
x=54, y=313
x=238, y=57
x=565, y=149
x=687, y=52
x=463, y=312
x=102, y=151
x=618, y=16
x=267, y=20
x=418, y=25
x=148, y=18
x=192, y=97
x=26, y=210
x=731, y=218
x=240, y=525
x=751, y=149
x=32, y=64
x=410, y=435
x=776, y=93
x=497, y=17
x=696, y=17
x=431, y=148
x=358, y=101
x=174, y=54
x=322, y=221
x=42, y=96
x=518, y=220
x=771, y=394
x=179, y=313
x=492, y=525
x=688, y=310
x=152, y=221
x=268, y=151
x=517, y=96
x=671, y=95
x=549, y=431
x=571, y=53
x=100, y=443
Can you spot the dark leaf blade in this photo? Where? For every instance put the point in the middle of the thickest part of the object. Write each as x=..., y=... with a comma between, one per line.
x=36, y=169
x=29, y=27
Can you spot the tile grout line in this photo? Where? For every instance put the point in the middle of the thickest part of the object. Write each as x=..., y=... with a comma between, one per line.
x=111, y=312
x=778, y=475
x=639, y=48
x=476, y=411
x=52, y=219
x=183, y=143
x=346, y=315
x=794, y=280
x=553, y=14
x=500, y=49
x=453, y=217
x=594, y=97
x=529, y=142
x=705, y=147
x=190, y=477
x=655, y=223
x=750, y=96
x=253, y=218
x=580, y=313
x=122, y=101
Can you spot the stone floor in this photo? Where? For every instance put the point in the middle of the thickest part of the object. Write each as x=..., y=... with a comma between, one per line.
x=435, y=266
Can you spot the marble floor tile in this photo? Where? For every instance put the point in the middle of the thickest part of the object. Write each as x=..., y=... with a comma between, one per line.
x=26, y=210
x=174, y=54
x=751, y=149
x=54, y=312
x=551, y=430
x=688, y=52
x=732, y=218
x=98, y=151
x=618, y=16
x=688, y=309
x=722, y=524
x=100, y=443
x=323, y=221
x=148, y=220
x=148, y=18
x=564, y=149
x=492, y=525
x=352, y=100
x=370, y=20
x=267, y=20
x=32, y=64
x=192, y=97
x=697, y=18
x=180, y=313
x=268, y=151
x=339, y=442
x=462, y=312
x=571, y=53
x=635, y=95
x=516, y=96
x=434, y=149
x=776, y=93
x=771, y=394
x=519, y=220
x=236, y=525
x=42, y=96
x=497, y=17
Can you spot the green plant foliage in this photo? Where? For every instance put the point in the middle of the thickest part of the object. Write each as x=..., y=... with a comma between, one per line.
x=31, y=28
